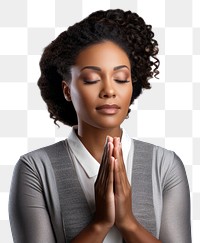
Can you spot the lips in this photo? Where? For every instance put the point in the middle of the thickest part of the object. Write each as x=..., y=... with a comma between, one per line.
x=108, y=109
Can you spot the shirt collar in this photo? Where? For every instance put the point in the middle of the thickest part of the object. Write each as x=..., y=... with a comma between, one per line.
x=89, y=164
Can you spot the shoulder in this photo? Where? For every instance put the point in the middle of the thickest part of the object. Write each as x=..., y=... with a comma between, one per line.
x=162, y=155
x=39, y=159
x=166, y=164
x=41, y=152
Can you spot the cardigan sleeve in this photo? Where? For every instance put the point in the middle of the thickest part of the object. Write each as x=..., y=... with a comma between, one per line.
x=175, y=221
x=28, y=214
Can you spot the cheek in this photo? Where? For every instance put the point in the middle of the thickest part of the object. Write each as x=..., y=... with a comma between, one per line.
x=76, y=97
x=130, y=93
x=127, y=94
x=82, y=98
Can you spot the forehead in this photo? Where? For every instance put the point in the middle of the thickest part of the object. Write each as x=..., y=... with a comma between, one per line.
x=105, y=54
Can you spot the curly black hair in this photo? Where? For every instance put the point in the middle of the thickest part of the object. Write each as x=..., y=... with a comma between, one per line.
x=124, y=28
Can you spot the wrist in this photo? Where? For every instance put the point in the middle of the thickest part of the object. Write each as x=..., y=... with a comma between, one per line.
x=100, y=227
x=135, y=232
x=128, y=225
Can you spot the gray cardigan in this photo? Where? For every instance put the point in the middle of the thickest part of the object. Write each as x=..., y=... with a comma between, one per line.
x=47, y=203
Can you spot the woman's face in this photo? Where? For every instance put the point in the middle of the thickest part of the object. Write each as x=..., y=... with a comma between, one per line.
x=101, y=86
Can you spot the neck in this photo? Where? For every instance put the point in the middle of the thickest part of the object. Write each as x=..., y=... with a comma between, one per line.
x=94, y=138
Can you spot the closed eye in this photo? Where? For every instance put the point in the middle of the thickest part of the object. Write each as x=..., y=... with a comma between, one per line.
x=95, y=81
x=122, y=81
x=90, y=81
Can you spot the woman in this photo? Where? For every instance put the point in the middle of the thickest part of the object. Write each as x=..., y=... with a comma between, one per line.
x=99, y=185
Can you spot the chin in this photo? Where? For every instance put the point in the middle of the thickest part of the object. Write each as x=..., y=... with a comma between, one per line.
x=109, y=124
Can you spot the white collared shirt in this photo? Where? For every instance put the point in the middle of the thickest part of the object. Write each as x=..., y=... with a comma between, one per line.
x=87, y=168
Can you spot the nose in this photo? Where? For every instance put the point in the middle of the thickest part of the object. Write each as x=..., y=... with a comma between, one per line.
x=107, y=89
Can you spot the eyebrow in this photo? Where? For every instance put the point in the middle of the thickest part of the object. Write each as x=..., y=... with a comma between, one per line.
x=99, y=69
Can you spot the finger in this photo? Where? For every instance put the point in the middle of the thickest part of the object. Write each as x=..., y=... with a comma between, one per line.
x=104, y=156
x=118, y=152
x=104, y=167
x=117, y=178
x=120, y=162
x=104, y=185
x=110, y=149
x=116, y=145
x=106, y=149
x=121, y=157
x=110, y=139
x=110, y=178
x=121, y=183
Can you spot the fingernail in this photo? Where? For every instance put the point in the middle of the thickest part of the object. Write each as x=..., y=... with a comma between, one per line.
x=108, y=146
x=107, y=138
